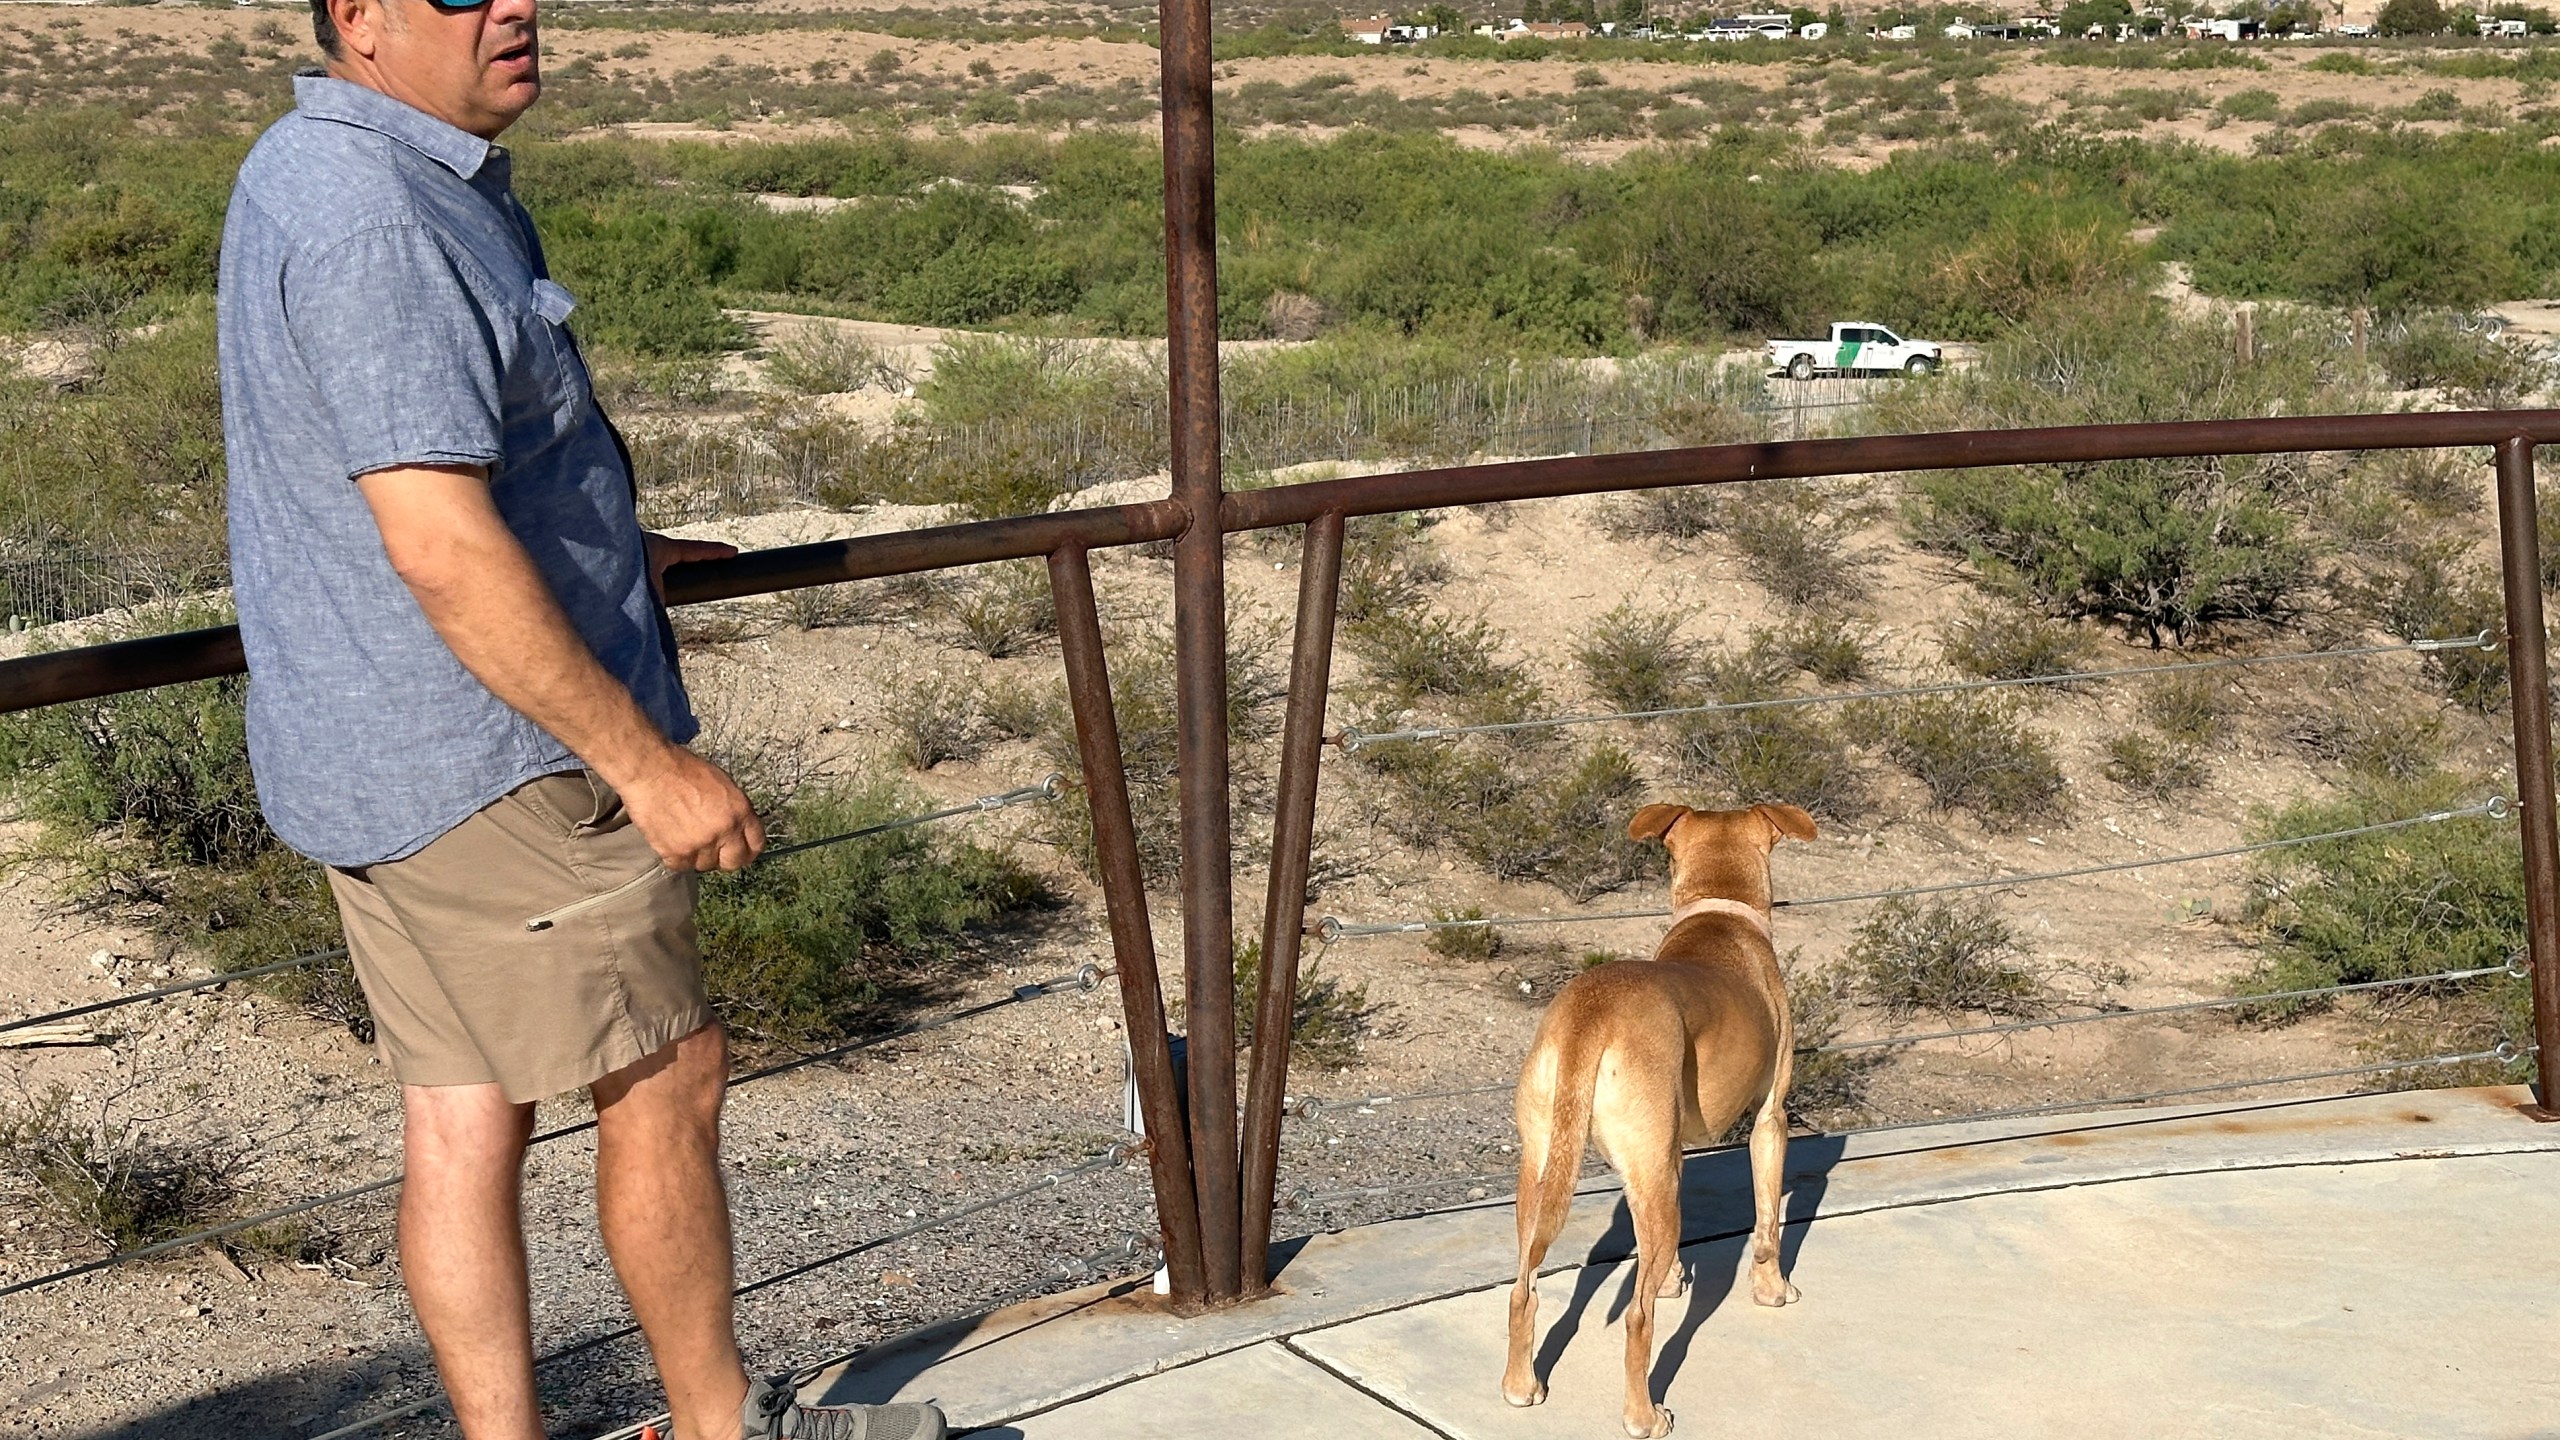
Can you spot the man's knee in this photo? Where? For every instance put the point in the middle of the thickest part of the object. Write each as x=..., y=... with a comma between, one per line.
x=467, y=1127
x=684, y=1082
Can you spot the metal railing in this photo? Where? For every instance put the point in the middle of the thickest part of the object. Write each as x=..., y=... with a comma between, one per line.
x=1213, y=1153
x=1213, y=1161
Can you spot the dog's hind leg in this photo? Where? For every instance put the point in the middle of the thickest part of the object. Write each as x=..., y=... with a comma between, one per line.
x=1769, y=1284
x=1554, y=1115
x=1653, y=1203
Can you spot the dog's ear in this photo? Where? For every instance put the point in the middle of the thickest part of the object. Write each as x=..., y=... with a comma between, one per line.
x=1787, y=820
x=1655, y=821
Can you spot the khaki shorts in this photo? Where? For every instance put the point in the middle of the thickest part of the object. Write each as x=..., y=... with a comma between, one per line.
x=539, y=945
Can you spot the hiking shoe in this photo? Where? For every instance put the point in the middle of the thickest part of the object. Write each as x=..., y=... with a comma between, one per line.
x=773, y=1412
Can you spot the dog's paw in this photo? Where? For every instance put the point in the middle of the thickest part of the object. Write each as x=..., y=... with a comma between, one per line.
x=1675, y=1284
x=1535, y=1394
x=1654, y=1429
x=1774, y=1292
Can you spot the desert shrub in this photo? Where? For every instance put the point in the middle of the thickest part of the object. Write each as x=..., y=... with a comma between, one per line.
x=2004, y=642
x=2156, y=768
x=811, y=947
x=817, y=607
x=1142, y=695
x=1972, y=754
x=165, y=772
x=2189, y=708
x=1550, y=813
x=1457, y=940
x=1794, y=541
x=1636, y=661
x=1411, y=655
x=2370, y=741
x=1792, y=537
x=2170, y=548
x=2434, y=483
x=934, y=717
x=1005, y=610
x=2448, y=896
x=1795, y=754
x=1019, y=711
x=1790, y=755
x=1679, y=513
x=1949, y=955
x=1327, y=1018
x=1388, y=566
x=98, y=1174
x=1826, y=1085
x=2437, y=594
x=2167, y=548
x=822, y=360
x=2480, y=371
x=1830, y=648
x=2252, y=104
x=147, y=797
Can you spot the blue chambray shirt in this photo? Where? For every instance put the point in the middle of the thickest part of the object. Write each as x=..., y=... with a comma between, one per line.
x=384, y=302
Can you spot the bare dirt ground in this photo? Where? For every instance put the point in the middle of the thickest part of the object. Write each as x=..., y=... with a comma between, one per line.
x=1099, y=50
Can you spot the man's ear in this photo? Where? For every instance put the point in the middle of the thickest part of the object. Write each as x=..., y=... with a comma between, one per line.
x=359, y=25
x=1787, y=820
x=1655, y=821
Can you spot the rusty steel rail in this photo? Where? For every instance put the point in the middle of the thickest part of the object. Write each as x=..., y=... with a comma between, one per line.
x=92, y=671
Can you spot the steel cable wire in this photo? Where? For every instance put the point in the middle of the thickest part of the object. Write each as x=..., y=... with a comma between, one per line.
x=2516, y=968
x=1049, y=1181
x=1330, y=929
x=1084, y=979
x=1048, y=789
x=1352, y=740
x=2504, y=1052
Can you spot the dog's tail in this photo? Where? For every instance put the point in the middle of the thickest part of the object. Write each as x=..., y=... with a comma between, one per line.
x=1554, y=1114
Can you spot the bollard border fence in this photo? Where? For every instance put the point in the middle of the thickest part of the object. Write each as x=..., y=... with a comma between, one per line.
x=1213, y=1163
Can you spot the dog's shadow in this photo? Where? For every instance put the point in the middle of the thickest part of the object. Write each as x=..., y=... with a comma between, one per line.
x=1715, y=1213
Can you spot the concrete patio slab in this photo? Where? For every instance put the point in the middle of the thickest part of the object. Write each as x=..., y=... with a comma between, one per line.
x=1264, y=1392
x=2391, y=1300
x=2191, y=1253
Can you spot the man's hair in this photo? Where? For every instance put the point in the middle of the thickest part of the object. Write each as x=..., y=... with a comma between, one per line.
x=324, y=29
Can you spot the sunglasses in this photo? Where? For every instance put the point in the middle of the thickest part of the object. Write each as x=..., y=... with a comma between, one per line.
x=456, y=7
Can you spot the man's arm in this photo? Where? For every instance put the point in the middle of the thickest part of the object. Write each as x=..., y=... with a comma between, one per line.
x=483, y=595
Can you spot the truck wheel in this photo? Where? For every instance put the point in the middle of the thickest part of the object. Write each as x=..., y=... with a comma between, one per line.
x=1919, y=365
x=1800, y=368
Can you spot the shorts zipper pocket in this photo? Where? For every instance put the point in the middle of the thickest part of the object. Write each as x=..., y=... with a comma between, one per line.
x=579, y=907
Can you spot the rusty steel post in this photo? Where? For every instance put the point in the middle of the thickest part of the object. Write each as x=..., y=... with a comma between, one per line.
x=2529, y=687
x=1200, y=637
x=1124, y=898
x=1284, y=908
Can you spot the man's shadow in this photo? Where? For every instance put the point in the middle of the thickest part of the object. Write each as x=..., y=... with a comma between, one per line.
x=1715, y=1212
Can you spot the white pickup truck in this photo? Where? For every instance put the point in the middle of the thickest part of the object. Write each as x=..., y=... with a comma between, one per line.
x=1855, y=348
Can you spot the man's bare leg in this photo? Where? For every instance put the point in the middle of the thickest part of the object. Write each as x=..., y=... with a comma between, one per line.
x=462, y=1251
x=666, y=1223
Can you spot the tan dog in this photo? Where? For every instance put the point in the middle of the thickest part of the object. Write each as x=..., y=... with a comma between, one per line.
x=1645, y=1057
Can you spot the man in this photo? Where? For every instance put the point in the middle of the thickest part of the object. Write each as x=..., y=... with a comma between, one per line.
x=464, y=701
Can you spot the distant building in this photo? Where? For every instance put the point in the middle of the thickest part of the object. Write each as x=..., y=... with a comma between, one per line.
x=1545, y=30
x=1371, y=31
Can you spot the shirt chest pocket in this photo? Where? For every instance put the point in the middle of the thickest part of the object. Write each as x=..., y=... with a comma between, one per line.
x=551, y=388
